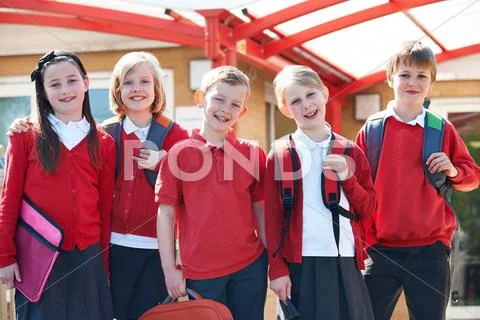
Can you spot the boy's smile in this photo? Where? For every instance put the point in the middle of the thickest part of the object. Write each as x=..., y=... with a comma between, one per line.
x=223, y=105
x=411, y=84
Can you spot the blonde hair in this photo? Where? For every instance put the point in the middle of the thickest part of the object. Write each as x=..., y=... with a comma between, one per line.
x=300, y=75
x=226, y=74
x=120, y=71
x=412, y=53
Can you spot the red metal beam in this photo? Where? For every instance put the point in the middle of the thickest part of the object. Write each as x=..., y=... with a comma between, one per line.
x=380, y=76
x=103, y=14
x=427, y=32
x=278, y=46
x=325, y=68
x=251, y=28
x=178, y=17
x=98, y=26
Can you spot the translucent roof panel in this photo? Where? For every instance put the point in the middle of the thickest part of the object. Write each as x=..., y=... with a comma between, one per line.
x=364, y=49
x=454, y=23
x=356, y=51
x=325, y=15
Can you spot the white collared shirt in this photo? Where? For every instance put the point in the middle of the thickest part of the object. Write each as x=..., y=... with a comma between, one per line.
x=317, y=237
x=390, y=112
x=72, y=133
x=129, y=127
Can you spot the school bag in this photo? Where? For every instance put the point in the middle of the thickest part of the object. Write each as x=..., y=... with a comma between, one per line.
x=159, y=128
x=286, y=173
x=434, y=128
x=196, y=308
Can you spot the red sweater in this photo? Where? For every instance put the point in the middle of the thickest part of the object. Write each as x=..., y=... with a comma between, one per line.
x=361, y=196
x=77, y=195
x=134, y=207
x=410, y=210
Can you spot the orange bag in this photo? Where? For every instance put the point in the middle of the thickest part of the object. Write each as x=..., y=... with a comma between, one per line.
x=196, y=308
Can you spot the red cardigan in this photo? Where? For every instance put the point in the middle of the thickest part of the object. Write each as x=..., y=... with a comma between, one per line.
x=361, y=196
x=76, y=195
x=134, y=207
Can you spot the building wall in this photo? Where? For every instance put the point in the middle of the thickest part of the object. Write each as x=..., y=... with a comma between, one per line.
x=253, y=126
x=441, y=89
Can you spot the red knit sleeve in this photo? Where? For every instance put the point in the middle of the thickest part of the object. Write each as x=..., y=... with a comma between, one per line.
x=360, y=140
x=176, y=134
x=274, y=221
x=359, y=187
x=16, y=167
x=105, y=192
x=468, y=177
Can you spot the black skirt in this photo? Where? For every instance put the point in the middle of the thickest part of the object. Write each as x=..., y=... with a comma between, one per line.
x=329, y=288
x=77, y=289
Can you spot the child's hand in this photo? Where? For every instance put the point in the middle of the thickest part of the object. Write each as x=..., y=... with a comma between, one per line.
x=175, y=283
x=7, y=273
x=337, y=164
x=18, y=126
x=148, y=159
x=282, y=287
x=439, y=162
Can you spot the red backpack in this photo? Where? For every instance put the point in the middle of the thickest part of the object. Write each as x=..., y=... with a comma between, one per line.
x=196, y=308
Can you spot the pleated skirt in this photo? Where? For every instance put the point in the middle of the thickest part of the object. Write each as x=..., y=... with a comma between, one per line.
x=77, y=289
x=329, y=288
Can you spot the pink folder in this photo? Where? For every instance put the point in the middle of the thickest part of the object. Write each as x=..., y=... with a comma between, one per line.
x=39, y=241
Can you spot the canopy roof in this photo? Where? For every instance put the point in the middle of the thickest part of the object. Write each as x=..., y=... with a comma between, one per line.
x=347, y=42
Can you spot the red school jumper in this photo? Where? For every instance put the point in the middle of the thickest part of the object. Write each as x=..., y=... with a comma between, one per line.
x=361, y=196
x=134, y=207
x=76, y=195
x=215, y=206
x=410, y=210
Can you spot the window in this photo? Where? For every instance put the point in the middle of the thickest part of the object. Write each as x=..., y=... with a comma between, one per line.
x=17, y=96
x=16, y=99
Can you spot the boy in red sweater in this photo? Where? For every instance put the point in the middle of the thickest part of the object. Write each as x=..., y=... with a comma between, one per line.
x=410, y=234
x=214, y=179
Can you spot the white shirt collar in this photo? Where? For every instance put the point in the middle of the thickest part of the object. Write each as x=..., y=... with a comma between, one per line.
x=390, y=112
x=301, y=137
x=59, y=125
x=130, y=127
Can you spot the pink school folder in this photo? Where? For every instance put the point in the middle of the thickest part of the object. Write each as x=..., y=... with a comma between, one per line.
x=39, y=241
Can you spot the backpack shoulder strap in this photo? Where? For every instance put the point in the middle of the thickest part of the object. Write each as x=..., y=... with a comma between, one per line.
x=159, y=129
x=373, y=129
x=113, y=126
x=286, y=167
x=434, y=129
x=330, y=184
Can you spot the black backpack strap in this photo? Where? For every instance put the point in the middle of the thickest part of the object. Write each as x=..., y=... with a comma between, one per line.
x=286, y=163
x=331, y=191
x=373, y=129
x=434, y=129
x=113, y=126
x=159, y=129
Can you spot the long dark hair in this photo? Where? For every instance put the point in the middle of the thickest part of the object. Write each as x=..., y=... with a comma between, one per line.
x=48, y=145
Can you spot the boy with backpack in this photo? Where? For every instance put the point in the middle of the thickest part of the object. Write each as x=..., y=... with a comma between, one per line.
x=416, y=158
